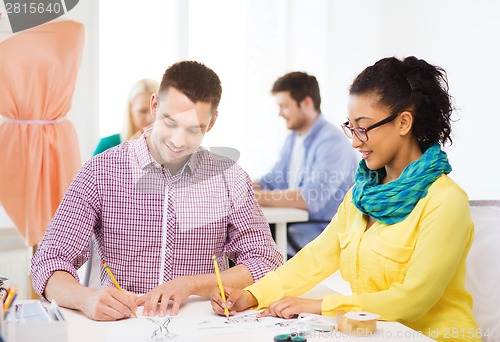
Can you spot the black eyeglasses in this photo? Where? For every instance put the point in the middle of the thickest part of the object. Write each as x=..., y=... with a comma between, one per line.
x=360, y=132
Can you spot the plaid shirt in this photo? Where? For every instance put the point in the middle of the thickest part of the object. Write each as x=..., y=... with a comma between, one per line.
x=151, y=227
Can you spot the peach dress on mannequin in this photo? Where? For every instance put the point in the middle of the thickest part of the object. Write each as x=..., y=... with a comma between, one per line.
x=39, y=151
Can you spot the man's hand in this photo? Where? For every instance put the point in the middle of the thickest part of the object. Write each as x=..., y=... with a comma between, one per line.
x=104, y=304
x=237, y=300
x=176, y=290
x=108, y=304
x=289, y=307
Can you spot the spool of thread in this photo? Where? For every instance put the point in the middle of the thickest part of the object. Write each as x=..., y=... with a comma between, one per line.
x=289, y=338
x=316, y=322
x=282, y=338
x=357, y=323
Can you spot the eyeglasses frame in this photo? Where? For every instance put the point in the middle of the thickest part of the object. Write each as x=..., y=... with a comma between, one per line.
x=353, y=130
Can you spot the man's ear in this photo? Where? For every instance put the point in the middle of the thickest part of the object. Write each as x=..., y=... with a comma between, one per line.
x=405, y=123
x=212, y=121
x=153, y=105
x=306, y=103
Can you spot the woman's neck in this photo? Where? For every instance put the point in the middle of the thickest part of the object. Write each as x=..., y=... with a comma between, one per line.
x=407, y=154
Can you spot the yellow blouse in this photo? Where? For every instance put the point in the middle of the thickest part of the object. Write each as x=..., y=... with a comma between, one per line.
x=412, y=272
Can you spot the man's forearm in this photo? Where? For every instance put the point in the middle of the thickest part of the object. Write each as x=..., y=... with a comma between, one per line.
x=236, y=277
x=66, y=290
x=281, y=198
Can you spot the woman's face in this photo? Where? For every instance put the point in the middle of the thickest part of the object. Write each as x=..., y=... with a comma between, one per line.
x=382, y=146
x=141, y=116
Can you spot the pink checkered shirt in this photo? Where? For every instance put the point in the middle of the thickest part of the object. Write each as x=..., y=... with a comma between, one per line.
x=138, y=212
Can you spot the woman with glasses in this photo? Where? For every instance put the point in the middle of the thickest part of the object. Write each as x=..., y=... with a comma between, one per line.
x=403, y=231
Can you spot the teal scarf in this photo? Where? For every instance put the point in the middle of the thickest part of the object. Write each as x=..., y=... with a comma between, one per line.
x=392, y=202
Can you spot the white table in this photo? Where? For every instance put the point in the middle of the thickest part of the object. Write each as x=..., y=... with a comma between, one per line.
x=82, y=329
x=280, y=217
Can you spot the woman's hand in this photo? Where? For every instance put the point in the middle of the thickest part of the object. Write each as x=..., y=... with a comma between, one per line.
x=290, y=307
x=237, y=300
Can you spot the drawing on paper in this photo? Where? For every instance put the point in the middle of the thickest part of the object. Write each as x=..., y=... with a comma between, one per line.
x=287, y=323
x=162, y=333
x=245, y=322
x=250, y=318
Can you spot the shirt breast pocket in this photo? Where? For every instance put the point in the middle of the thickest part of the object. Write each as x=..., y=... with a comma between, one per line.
x=347, y=264
x=392, y=258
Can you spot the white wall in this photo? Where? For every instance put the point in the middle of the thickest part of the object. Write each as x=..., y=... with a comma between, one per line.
x=84, y=111
x=462, y=37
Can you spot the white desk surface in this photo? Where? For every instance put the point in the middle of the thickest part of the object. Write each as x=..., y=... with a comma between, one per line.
x=280, y=217
x=82, y=329
x=277, y=214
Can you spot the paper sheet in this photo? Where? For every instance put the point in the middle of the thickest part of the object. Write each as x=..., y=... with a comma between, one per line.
x=191, y=327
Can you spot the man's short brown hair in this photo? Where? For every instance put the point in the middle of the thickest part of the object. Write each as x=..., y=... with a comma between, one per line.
x=195, y=80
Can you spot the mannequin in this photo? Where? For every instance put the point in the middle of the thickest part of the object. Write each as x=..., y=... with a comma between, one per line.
x=40, y=152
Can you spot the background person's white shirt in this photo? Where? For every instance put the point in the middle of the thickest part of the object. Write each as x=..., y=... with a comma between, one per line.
x=296, y=160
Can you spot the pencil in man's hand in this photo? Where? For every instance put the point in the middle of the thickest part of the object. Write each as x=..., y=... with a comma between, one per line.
x=113, y=279
x=219, y=281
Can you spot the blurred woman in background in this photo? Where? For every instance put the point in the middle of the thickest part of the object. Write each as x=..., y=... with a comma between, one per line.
x=137, y=116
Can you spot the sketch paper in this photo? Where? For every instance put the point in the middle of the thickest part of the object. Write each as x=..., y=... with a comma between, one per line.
x=191, y=327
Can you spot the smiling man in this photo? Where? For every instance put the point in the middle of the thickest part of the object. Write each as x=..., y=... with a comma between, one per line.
x=157, y=209
x=316, y=166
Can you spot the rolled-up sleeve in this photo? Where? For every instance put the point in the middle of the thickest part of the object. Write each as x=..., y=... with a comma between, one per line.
x=250, y=241
x=316, y=261
x=65, y=246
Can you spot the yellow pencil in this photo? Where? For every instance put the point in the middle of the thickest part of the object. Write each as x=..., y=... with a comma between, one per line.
x=219, y=280
x=106, y=267
x=11, y=294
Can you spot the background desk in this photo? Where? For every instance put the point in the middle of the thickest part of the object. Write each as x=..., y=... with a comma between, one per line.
x=280, y=217
x=82, y=329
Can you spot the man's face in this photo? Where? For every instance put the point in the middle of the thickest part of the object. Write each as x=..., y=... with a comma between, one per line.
x=290, y=111
x=179, y=127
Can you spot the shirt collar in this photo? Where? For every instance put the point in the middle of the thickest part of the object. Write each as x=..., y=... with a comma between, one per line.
x=144, y=156
x=194, y=161
x=191, y=164
x=314, y=130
